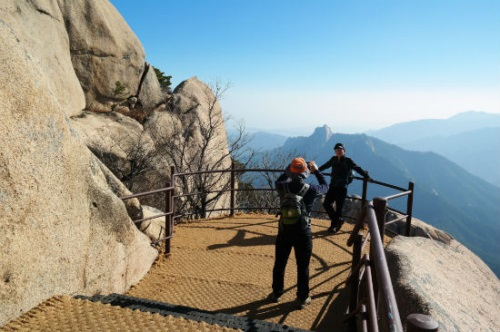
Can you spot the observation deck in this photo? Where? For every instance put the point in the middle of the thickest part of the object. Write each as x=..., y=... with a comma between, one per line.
x=216, y=279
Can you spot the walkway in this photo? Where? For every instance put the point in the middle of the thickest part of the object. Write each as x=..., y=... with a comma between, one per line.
x=220, y=265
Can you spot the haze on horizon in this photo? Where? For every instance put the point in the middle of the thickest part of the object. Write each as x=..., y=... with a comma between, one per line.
x=352, y=65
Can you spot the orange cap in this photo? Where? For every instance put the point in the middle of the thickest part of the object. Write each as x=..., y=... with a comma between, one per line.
x=298, y=166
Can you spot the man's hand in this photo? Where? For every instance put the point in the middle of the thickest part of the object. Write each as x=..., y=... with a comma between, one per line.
x=312, y=166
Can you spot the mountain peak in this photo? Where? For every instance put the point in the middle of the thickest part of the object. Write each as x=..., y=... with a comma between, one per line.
x=322, y=133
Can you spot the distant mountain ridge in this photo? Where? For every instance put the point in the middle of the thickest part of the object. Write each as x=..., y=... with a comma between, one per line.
x=470, y=139
x=414, y=130
x=261, y=140
x=446, y=195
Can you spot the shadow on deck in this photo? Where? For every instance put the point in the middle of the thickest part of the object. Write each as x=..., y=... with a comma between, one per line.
x=222, y=267
x=225, y=265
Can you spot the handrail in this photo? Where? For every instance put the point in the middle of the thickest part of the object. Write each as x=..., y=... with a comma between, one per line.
x=382, y=271
x=375, y=272
x=370, y=271
x=170, y=190
x=404, y=193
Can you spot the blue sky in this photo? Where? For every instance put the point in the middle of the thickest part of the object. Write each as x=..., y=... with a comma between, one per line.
x=353, y=65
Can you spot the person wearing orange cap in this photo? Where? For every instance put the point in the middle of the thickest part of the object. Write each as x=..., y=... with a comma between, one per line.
x=342, y=167
x=297, y=236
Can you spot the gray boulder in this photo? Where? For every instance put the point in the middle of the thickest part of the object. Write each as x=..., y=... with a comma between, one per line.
x=150, y=93
x=196, y=105
x=103, y=49
x=445, y=281
x=153, y=228
x=95, y=60
x=62, y=229
x=118, y=141
x=418, y=228
x=35, y=25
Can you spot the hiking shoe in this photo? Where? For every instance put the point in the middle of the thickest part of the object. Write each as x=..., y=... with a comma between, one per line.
x=334, y=229
x=274, y=298
x=301, y=304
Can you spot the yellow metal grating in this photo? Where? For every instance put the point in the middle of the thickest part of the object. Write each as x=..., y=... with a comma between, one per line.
x=220, y=265
x=64, y=313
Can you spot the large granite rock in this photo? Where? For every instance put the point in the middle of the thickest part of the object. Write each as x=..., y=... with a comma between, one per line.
x=62, y=229
x=118, y=141
x=103, y=49
x=127, y=149
x=445, y=281
x=150, y=93
x=36, y=25
x=86, y=47
x=141, y=155
x=197, y=107
x=418, y=228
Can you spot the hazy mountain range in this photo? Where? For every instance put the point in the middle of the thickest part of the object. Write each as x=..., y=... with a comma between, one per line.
x=470, y=139
x=261, y=140
x=446, y=194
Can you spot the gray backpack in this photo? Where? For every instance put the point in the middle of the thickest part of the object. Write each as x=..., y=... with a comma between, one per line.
x=292, y=206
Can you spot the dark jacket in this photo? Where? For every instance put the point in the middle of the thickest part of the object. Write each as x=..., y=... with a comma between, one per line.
x=296, y=183
x=341, y=169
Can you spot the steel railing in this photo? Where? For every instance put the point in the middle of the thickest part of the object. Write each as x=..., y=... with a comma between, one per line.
x=377, y=310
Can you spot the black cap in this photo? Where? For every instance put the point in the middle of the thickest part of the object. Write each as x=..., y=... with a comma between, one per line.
x=339, y=146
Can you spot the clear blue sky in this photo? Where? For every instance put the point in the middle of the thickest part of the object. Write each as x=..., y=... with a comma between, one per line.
x=353, y=65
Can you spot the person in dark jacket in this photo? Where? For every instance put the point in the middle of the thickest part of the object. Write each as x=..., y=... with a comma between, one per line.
x=342, y=167
x=297, y=235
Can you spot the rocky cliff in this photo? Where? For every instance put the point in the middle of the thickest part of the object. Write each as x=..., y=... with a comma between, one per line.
x=72, y=74
x=435, y=275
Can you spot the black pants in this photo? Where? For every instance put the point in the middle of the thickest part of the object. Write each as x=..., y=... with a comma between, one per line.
x=335, y=195
x=301, y=241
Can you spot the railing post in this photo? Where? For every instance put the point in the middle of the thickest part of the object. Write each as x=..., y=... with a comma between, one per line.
x=233, y=182
x=364, y=319
x=354, y=280
x=409, y=208
x=168, y=219
x=170, y=209
x=380, y=207
x=421, y=323
x=365, y=190
x=372, y=306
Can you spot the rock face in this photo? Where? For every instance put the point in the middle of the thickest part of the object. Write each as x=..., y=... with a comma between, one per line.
x=150, y=93
x=445, y=281
x=63, y=229
x=118, y=141
x=190, y=135
x=153, y=228
x=418, y=228
x=91, y=50
x=103, y=50
x=37, y=24
x=197, y=107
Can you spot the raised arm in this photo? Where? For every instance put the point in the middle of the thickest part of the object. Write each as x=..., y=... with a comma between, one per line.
x=326, y=165
x=359, y=170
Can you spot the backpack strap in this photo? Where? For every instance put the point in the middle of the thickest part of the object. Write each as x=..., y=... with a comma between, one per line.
x=304, y=189
x=301, y=193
